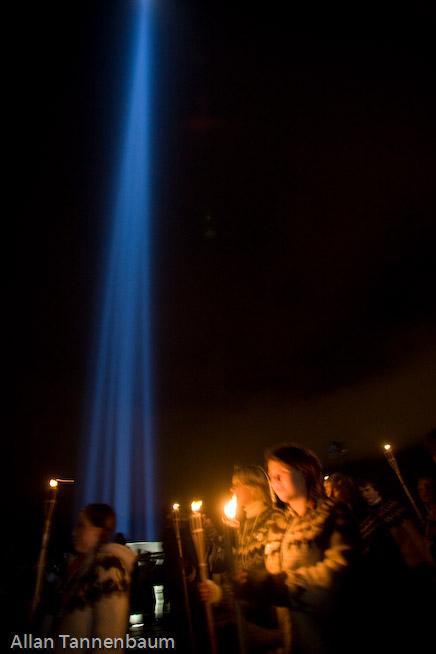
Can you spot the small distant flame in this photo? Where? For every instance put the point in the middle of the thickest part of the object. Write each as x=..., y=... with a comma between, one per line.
x=230, y=508
x=176, y=506
x=53, y=483
x=196, y=506
x=387, y=447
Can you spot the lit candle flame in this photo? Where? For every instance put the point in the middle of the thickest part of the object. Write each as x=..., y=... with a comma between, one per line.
x=230, y=508
x=387, y=447
x=196, y=506
x=53, y=483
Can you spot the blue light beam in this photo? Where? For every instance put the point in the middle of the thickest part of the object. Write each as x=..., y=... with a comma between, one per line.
x=120, y=454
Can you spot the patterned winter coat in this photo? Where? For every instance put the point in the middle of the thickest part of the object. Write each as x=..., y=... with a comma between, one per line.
x=253, y=535
x=309, y=563
x=96, y=596
x=391, y=537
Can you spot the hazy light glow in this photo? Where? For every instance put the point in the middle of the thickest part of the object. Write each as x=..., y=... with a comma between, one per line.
x=231, y=508
x=196, y=506
x=120, y=457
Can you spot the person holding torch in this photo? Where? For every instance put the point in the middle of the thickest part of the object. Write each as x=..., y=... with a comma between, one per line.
x=257, y=620
x=308, y=562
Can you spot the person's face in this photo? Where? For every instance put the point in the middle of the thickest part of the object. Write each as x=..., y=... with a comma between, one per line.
x=243, y=493
x=85, y=534
x=328, y=487
x=287, y=482
x=369, y=494
x=340, y=494
x=426, y=491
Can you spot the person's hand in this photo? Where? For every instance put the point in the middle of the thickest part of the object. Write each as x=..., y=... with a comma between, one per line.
x=209, y=592
x=205, y=591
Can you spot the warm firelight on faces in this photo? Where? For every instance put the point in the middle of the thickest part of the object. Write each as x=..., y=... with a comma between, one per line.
x=244, y=494
x=287, y=482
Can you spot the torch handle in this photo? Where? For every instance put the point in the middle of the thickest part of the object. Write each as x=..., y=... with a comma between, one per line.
x=40, y=568
x=184, y=582
x=394, y=465
x=198, y=538
x=412, y=501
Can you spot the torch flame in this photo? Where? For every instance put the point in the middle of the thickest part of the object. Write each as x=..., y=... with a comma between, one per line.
x=53, y=483
x=196, y=506
x=176, y=506
x=387, y=447
x=230, y=508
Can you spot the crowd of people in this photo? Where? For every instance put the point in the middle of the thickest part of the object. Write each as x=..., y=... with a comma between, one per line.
x=314, y=564
x=323, y=564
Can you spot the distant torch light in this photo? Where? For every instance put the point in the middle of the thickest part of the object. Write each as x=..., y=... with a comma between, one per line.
x=55, y=482
x=394, y=465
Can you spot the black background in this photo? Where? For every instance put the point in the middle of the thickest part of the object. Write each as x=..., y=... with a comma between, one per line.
x=294, y=231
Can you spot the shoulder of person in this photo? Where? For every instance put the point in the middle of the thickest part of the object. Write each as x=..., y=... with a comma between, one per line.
x=341, y=519
x=277, y=520
x=114, y=555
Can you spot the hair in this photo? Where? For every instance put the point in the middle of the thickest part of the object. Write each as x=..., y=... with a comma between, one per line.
x=103, y=516
x=257, y=481
x=368, y=480
x=342, y=481
x=304, y=460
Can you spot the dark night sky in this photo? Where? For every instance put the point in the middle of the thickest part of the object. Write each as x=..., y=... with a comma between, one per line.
x=294, y=234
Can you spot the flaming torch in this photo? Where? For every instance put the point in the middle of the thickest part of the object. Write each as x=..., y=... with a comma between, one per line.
x=176, y=521
x=199, y=540
x=230, y=528
x=394, y=465
x=49, y=508
x=231, y=508
x=231, y=542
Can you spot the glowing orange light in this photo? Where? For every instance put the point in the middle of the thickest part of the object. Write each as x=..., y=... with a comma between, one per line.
x=53, y=483
x=176, y=507
x=196, y=506
x=230, y=508
x=387, y=447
